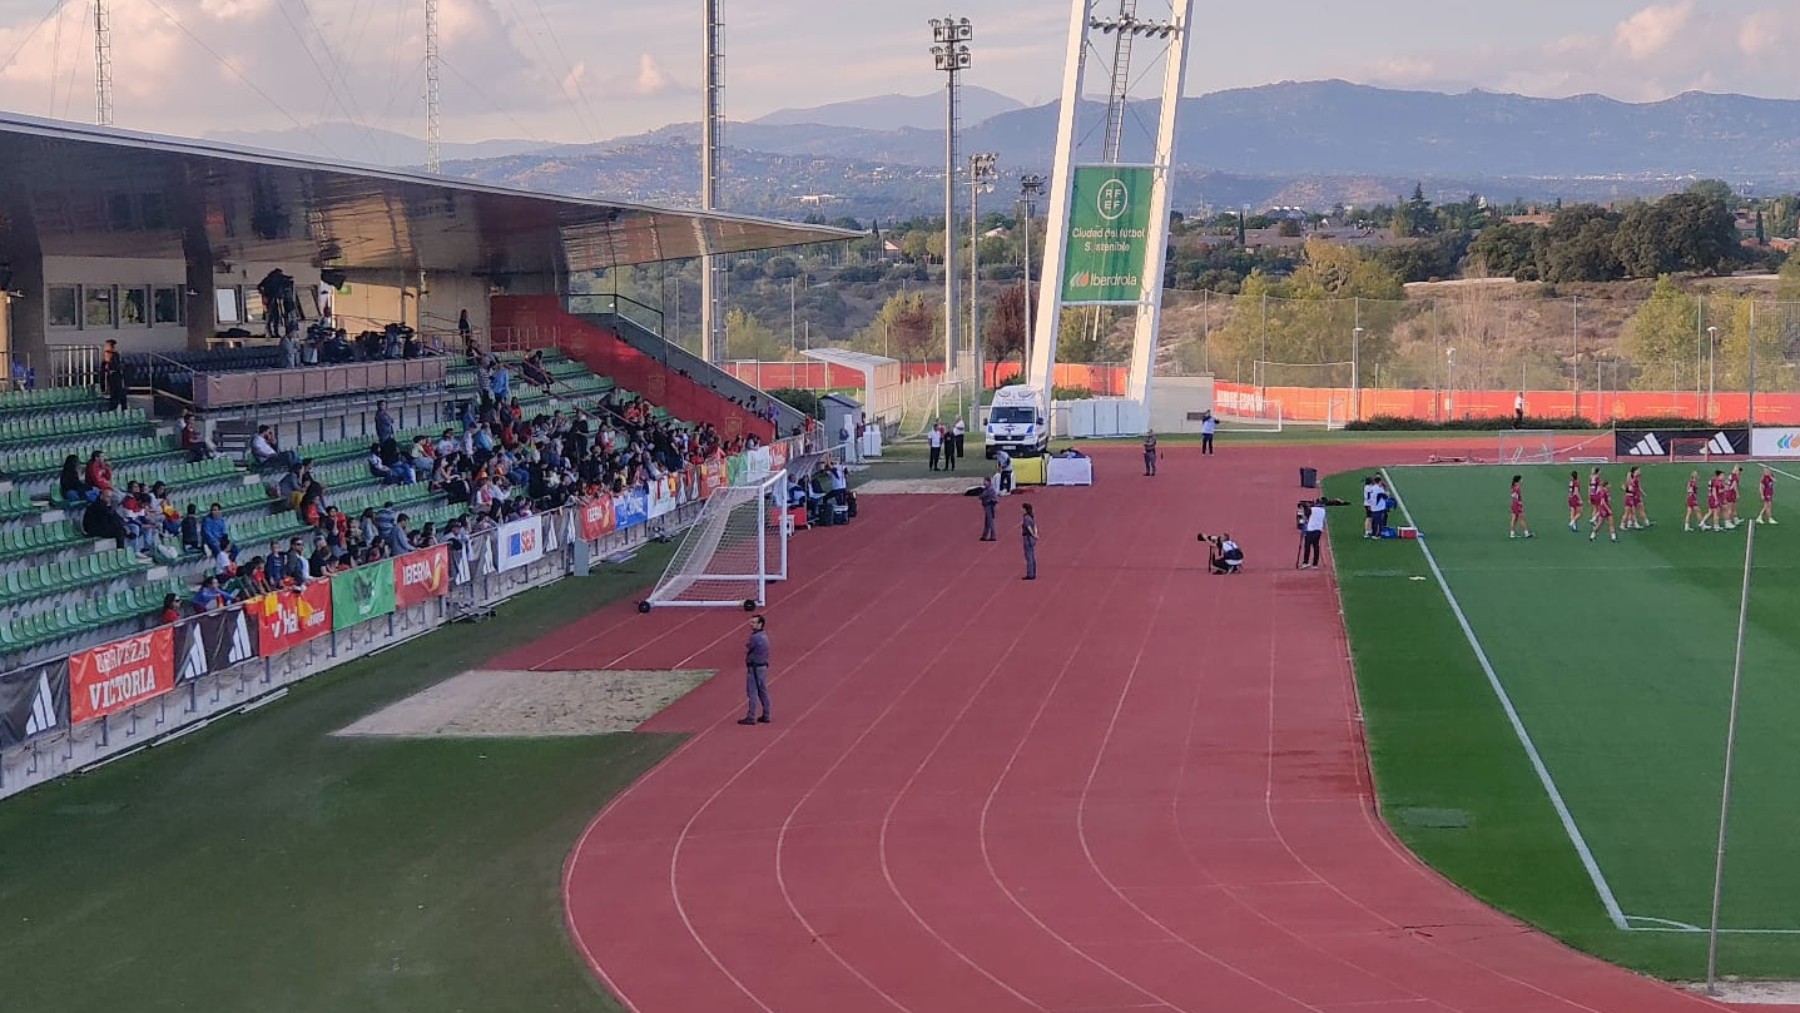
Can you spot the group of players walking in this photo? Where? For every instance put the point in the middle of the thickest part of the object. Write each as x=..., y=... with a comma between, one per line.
x=1720, y=513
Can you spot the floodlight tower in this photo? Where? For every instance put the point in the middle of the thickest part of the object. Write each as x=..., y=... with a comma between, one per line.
x=950, y=37
x=712, y=120
x=1109, y=221
x=434, y=125
x=983, y=170
x=103, y=88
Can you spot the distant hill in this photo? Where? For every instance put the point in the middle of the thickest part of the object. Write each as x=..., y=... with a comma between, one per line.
x=895, y=112
x=371, y=146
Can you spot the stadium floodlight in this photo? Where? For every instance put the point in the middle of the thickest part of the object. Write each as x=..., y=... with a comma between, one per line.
x=734, y=550
x=950, y=36
x=1031, y=187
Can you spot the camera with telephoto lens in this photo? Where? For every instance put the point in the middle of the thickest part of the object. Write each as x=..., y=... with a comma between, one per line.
x=1304, y=507
x=1204, y=537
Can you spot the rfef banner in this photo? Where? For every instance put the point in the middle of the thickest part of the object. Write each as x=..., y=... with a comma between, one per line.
x=520, y=543
x=1109, y=234
x=290, y=618
x=1690, y=442
x=124, y=673
x=421, y=576
x=33, y=702
x=631, y=509
x=1775, y=442
x=595, y=519
x=361, y=594
x=213, y=642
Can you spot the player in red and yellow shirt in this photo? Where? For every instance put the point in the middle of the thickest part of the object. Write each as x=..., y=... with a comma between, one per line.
x=1767, y=487
x=1730, y=501
x=1574, y=500
x=1715, y=503
x=1517, y=506
x=1637, y=517
x=1603, y=512
x=1693, y=503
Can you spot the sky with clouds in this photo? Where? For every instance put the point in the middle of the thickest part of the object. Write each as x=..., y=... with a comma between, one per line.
x=582, y=70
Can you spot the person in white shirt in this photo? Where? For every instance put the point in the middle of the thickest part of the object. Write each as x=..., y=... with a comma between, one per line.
x=1003, y=466
x=1208, y=426
x=1371, y=500
x=1310, y=535
x=935, y=438
x=959, y=433
x=1519, y=411
x=268, y=452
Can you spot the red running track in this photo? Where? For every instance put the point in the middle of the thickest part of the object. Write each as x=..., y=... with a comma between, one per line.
x=1127, y=786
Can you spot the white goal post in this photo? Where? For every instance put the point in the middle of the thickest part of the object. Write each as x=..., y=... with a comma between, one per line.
x=1527, y=446
x=1697, y=448
x=733, y=551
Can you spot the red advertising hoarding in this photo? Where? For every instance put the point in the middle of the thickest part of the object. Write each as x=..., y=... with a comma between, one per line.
x=290, y=618
x=597, y=518
x=421, y=576
x=106, y=680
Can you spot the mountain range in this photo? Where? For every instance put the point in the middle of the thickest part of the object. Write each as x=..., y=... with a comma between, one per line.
x=1319, y=141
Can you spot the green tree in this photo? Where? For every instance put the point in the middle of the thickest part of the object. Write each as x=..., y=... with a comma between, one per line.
x=1003, y=327
x=1741, y=321
x=748, y=338
x=1713, y=190
x=1506, y=250
x=1787, y=283
x=905, y=328
x=1579, y=245
x=1661, y=339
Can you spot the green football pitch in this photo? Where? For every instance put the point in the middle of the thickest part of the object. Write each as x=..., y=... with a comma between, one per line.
x=1561, y=756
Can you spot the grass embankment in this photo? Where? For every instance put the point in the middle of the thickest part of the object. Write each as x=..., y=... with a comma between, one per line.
x=262, y=864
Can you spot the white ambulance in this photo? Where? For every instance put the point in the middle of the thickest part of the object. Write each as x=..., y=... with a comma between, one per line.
x=1018, y=422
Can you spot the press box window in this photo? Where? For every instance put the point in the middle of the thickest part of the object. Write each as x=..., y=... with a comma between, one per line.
x=166, y=302
x=134, y=307
x=64, y=306
x=100, y=308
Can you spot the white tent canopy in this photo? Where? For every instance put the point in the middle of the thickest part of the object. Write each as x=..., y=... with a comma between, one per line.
x=881, y=379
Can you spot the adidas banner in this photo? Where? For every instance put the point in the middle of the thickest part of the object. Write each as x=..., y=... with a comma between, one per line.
x=212, y=643
x=1661, y=442
x=33, y=702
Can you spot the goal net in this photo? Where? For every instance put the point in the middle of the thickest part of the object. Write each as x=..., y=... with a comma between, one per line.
x=736, y=547
x=1695, y=448
x=1247, y=413
x=1527, y=446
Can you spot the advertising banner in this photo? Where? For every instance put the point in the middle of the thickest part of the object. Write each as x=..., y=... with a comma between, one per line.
x=595, y=520
x=631, y=509
x=362, y=594
x=213, y=642
x=106, y=680
x=712, y=477
x=665, y=495
x=520, y=543
x=421, y=576
x=1775, y=443
x=737, y=470
x=777, y=456
x=33, y=702
x=756, y=462
x=290, y=618
x=1662, y=442
x=1109, y=234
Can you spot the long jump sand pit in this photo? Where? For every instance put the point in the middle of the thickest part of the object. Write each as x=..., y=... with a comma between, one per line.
x=511, y=704
x=919, y=486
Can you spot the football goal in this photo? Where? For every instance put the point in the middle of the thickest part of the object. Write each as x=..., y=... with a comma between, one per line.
x=1247, y=415
x=736, y=547
x=1527, y=446
x=1696, y=448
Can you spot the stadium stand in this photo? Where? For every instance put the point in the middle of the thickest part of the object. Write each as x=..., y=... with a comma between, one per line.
x=571, y=431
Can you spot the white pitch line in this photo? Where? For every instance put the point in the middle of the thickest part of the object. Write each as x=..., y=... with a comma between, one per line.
x=1607, y=900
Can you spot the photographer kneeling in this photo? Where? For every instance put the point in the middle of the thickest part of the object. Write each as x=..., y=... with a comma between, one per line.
x=1223, y=554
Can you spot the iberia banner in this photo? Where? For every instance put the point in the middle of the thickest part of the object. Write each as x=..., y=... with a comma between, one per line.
x=712, y=477
x=596, y=517
x=106, y=680
x=363, y=593
x=421, y=576
x=1109, y=234
x=290, y=618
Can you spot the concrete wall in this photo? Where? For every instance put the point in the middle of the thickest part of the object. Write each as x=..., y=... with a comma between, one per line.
x=1177, y=401
x=124, y=273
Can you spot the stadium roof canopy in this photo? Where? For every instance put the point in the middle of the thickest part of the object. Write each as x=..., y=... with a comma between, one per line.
x=68, y=189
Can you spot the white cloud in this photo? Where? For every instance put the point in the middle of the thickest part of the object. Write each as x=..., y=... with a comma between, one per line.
x=1652, y=53
x=648, y=81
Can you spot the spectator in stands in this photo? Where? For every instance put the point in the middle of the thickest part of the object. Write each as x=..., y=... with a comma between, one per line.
x=534, y=370
x=323, y=560
x=390, y=528
x=192, y=442
x=290, y=350
x=294, y=565
x=164, y=511
x=224, y=559
x=191, y=539
x=23, y=376
x=265, y=447
x=384, y=423
x=71, y=486
x=112, y=376
x=467, y=334
x=211, y=597
x=253, y=579
x=139, y=527
x=99, y=475
x=312, y=505
x=291, y=486
x=170, y=611
x=215, y=529
x=394, y=473
x=274, y=566
x=102, y=519
x=502, y=381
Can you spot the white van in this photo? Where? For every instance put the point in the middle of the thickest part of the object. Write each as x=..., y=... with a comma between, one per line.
x=1018, y=422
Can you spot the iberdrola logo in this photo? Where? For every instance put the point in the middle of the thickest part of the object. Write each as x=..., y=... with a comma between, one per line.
x=1081, y=279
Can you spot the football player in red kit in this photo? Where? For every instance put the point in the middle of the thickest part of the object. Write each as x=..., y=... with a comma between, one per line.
x=1731, y=495
x=1574, y=500
x=1517, y=506
x=1715, y=502
x=1767, y=487
x=1636, y=516
x=1693, y=503
x=1603, y=512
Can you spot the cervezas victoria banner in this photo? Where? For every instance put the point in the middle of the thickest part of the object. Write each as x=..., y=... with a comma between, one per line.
x=124, y=673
